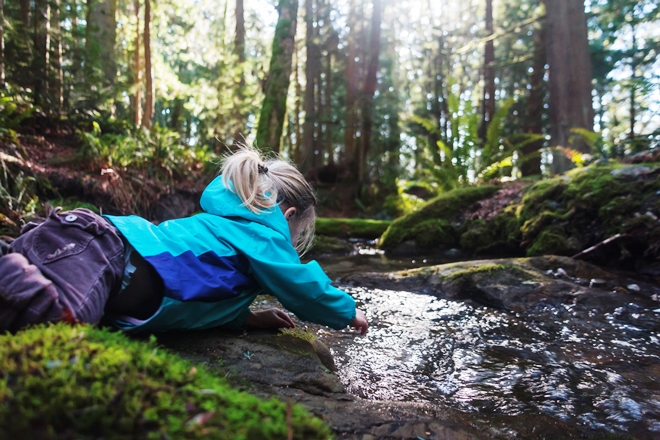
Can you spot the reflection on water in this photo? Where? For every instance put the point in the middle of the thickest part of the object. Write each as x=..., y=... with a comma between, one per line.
x=597, y=369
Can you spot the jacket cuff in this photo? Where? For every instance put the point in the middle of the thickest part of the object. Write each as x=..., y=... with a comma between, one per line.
x=237, y=323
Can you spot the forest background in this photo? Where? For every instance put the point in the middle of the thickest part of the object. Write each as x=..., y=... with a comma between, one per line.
x=377, y=101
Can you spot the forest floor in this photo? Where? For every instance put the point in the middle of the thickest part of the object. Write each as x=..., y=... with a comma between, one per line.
x=50, y=168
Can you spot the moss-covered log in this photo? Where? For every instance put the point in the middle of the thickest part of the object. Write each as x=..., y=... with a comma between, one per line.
x=351, y=227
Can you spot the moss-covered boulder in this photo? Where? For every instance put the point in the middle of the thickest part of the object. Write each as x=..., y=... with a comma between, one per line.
x=65, y=381
x=565, y=215
x=571, y=213
x=435, y=224
x=351, y=227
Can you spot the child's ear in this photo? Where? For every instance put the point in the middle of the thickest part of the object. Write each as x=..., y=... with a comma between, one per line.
x=289, y=213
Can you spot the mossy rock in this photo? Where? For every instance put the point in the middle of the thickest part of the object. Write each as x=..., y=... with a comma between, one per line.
x=351, y=227
x=62, y=381
x=325, y=245
x=444, y=208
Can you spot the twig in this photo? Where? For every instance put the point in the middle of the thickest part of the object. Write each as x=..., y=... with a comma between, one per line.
x=594, y=247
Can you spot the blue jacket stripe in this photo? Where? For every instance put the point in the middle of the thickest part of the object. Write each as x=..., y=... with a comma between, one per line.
x=207, y=277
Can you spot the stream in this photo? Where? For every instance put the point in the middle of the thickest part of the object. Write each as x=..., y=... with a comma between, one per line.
x=597, y=368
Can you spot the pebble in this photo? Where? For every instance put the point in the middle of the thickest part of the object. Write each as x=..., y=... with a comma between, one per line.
x=633, y=287
x=596, y=282
x=561, y=273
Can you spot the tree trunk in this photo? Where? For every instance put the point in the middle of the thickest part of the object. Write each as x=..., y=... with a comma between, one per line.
x=41, y=56
x=137, y=70
x=633, y=85
x=76, y=49
x=147, y=116
x=332, y=44
x=25, y=13
x=239, y=37
x=351, y=83
x=370, y=83
x=297, y=146
x=273, y=110
x=531, y=159
x=308, y=147
x=2, y=44
x=100, y=42
x=488, y=106
x=239, y=85
x=58, y=74
x=569, y=76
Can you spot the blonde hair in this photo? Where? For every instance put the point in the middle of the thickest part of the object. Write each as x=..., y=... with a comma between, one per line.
x=263, y=183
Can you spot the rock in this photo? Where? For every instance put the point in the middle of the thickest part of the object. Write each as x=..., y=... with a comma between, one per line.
x=631, y=171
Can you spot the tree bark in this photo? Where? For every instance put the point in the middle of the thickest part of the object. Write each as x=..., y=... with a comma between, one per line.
x=332, y=43
x=147, y=116
x=239, y=37
x=531, y=164
x=351, y=85
x=41, y=56
x=58, y=73
x=137, y=70
x=309, y=107
x=100, y=41
x=25, y=13
x=2, y=44
x=239, y=85
x=569, y=76
x=297, y=146
x=633, y=85
x=273, y=110
x=488, y=106
x=370, y=84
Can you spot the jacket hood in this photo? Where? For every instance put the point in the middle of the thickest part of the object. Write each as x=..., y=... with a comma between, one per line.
x=219, y=200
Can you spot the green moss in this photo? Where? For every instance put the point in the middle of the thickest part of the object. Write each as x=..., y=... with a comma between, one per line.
x=471, y=271
x=80, y=382
x=478, y=234
x=435, y=232
x=551, y=241
x=299, y=333
x=331, y=245
x=444, y=207
x=351, y=227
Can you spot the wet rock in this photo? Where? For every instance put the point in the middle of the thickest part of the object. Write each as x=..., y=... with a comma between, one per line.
x=515, y=285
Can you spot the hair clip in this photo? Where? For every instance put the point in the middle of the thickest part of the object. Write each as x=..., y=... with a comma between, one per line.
x=262, y=169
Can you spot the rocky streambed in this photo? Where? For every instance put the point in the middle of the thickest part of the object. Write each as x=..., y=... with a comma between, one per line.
x=545, y=347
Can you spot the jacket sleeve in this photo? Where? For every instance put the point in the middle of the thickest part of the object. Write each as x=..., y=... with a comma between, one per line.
x=304, y=289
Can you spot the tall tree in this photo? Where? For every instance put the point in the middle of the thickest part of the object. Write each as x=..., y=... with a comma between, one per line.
x=41, y=58
x=369, y=88
x=273, y=109
x=569, y=75
x=137, y=69
x=309, y=105
x=2, y=44
x=148, y=114
x=100, y=42
x=488, y=104
x=531, y=164
x=58, y=72
x=351, y=87
x=25, y=13
x=239, y=86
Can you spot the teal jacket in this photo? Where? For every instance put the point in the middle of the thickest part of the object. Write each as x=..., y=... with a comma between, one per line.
x=215, y=263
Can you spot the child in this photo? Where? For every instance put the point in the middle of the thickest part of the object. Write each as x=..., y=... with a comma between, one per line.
x=191, y=273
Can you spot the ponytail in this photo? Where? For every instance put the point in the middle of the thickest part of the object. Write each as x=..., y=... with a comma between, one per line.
x=262, y=184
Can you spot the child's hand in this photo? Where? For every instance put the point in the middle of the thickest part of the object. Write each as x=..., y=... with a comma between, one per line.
x=360, y=322
x=269, y=318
